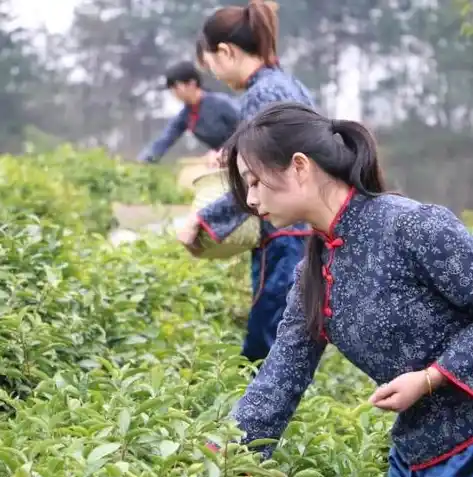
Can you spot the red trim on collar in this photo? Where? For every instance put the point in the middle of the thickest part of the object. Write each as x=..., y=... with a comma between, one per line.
x=332, y=243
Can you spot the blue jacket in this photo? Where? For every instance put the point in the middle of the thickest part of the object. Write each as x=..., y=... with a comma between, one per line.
x=216, y=119
x=399, y=298
x=272, y=263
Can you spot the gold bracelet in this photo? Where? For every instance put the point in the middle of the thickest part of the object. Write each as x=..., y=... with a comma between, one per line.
x=429, y=381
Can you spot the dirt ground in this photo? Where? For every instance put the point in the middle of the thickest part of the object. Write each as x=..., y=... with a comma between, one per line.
x=135, y=217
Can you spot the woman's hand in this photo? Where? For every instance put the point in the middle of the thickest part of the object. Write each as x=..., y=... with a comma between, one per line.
x=215, y=159
x=187, y=235
x=404, y=391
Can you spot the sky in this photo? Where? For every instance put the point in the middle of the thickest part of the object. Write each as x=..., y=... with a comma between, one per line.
x=56, y=16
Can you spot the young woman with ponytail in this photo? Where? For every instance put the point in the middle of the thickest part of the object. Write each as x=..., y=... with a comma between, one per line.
x=238, y=45
x=386, y=279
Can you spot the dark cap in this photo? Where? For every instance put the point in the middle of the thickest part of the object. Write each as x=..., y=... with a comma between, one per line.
x=182, y=72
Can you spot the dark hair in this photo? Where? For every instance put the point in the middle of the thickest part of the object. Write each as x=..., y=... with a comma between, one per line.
x=183, y=72
x=343, y=149
x=253, y=28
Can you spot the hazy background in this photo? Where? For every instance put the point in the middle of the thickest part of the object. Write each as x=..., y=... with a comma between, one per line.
x=86, y=72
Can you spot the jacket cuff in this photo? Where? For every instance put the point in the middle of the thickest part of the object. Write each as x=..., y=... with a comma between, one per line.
x=220, y=218
x=456, y=364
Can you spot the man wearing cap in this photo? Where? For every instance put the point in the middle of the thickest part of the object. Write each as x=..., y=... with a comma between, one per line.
x=211, y=117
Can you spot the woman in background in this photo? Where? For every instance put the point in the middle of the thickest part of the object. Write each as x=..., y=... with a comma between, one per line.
x=238, y=45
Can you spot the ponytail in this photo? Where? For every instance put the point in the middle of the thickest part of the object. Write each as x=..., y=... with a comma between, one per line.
x=364, y=174
x=312, y=286
x=254, y=29
x=366, y=177
x=264, y=27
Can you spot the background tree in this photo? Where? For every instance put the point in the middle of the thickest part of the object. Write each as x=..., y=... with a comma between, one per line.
x=407, y=64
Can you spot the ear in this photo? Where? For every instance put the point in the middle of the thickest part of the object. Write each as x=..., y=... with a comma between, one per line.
x=301, y=165
x=225, y=49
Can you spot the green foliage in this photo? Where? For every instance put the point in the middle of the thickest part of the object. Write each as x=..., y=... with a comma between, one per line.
x=467, y=217
x=466, y=8
x=125, y=361
x=110, y=179
x=27, y=189
x=77, y=189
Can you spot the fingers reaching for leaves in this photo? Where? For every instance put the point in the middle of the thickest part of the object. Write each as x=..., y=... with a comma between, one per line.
x=401, y=393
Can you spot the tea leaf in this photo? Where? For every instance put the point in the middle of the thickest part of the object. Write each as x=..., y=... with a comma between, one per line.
x=102, y=451
x=168, y=448
x=124, y=421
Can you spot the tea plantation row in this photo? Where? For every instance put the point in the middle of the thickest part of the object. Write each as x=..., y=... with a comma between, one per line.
x=124, y=361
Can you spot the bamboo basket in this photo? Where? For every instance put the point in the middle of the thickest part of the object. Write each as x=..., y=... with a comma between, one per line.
x=189, y=169
x=209, y=187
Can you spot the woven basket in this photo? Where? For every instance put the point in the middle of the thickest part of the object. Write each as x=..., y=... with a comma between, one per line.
x=189, y=169
x=209, y=187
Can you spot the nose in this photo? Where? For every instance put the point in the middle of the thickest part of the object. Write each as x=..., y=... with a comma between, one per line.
x=251, y=198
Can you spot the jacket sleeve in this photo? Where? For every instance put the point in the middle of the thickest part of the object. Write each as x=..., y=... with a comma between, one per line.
x=273, y=396
x=440, y=250
x=169, y=136
x=220, y=218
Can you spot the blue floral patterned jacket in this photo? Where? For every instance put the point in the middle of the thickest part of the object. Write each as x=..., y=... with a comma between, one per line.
x=399, y=296
x=273, y=263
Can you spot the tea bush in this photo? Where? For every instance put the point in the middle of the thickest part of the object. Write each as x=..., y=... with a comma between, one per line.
x=125, y=361
x=77, y=189
x=28, y=189
x=109, y=178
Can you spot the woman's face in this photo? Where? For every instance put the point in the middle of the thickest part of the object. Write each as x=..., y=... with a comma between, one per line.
x=224, y=65
x=280, y=198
